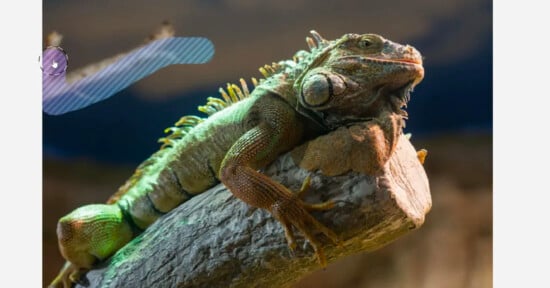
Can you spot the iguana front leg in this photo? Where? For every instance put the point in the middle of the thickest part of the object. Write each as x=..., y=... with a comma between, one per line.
x=238, y=172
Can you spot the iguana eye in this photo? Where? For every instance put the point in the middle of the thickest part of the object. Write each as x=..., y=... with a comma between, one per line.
x=365, y=43
x=318, y=89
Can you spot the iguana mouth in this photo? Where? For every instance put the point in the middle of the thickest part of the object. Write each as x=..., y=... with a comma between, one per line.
x=346, y=61
x=410, y=60
x=405, y=61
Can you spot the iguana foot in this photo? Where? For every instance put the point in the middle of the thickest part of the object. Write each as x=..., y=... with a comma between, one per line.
x=294, y=212
x=312, y=207
x=66, y=278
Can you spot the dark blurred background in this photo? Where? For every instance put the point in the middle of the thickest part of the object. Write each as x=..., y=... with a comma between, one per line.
x=90, y=152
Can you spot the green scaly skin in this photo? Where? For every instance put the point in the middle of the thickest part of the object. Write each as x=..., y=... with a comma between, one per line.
x=353, y=79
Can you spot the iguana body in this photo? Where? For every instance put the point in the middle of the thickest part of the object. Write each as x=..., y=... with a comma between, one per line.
x=356, y=78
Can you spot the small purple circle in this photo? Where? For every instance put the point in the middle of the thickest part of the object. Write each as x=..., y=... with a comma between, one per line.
x=54, y=61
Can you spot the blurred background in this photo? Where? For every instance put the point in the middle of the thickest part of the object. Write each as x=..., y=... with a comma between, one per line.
x=89, y=153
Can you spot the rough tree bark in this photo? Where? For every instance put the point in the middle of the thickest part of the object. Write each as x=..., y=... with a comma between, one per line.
x=215, y=240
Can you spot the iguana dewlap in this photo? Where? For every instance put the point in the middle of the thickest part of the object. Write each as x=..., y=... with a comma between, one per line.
x=353, y=80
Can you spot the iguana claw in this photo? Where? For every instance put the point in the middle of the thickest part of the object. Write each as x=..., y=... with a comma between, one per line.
x=295, y=212
x=66, y=278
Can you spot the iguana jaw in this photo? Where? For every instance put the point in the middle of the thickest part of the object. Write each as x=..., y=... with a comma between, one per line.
x=400, y=97
x=369, y=102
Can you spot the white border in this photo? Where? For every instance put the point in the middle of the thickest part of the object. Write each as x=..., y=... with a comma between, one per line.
x=521, y=157
x=521, y=230
x=21, y=145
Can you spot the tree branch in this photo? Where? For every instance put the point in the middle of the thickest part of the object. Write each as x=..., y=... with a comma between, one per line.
x=165, y=30
x=216, y=240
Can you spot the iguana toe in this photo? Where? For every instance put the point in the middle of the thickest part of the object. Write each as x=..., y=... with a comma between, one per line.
x=295, y=212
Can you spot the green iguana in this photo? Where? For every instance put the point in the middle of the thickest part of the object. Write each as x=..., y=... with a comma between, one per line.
x=353, y=79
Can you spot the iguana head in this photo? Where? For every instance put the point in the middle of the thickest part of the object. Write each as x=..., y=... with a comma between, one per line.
x=354, y=78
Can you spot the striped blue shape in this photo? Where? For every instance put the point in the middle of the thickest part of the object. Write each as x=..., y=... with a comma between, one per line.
x=59, y=97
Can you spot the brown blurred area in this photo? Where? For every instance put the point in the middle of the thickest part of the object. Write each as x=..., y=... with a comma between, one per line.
x=454, y=246
x=452, y=249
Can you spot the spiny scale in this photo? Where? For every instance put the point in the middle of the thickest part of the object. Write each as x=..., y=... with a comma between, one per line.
x=321, y=42
x=233, y=95
x=310, y=43
x=189, y=120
